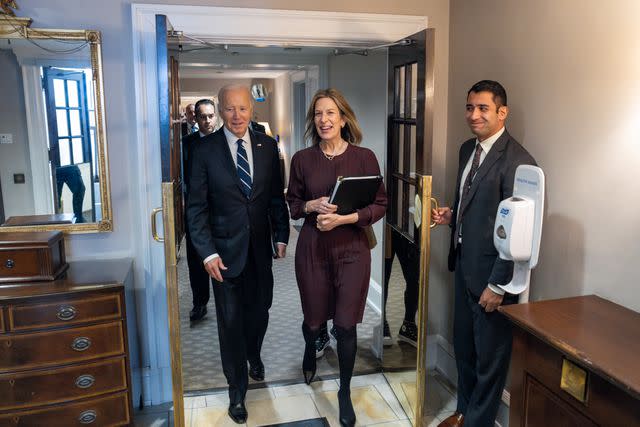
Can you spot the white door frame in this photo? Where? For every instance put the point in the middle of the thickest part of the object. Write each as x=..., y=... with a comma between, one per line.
x=234, y=26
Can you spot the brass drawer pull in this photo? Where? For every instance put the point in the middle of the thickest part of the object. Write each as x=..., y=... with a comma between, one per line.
x=87, y=417
x=9, y=263
x=66, y=312
x=85, y=381
x=81, y=344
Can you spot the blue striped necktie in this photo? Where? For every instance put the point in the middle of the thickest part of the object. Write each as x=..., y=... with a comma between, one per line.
x=244, y=170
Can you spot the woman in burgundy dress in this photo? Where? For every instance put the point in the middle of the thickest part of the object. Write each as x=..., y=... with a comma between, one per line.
x=333, y=259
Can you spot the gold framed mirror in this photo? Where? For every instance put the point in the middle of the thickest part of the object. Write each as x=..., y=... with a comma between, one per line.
x=54, y=169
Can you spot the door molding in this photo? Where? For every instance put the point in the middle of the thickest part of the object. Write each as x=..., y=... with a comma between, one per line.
x=223, y=24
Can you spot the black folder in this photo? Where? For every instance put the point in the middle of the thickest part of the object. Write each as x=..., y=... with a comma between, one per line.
x=354, y=192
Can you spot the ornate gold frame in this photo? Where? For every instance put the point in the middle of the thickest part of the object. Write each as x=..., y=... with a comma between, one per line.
x=12, y=28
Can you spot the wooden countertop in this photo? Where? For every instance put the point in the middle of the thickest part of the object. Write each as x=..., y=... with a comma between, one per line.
x=600, y=335
x=81, y=275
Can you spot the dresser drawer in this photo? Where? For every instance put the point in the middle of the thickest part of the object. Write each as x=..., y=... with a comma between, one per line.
x=111, y=410
x=21, y=351
x=63, y=311
x=33, y=388
x=19, y=263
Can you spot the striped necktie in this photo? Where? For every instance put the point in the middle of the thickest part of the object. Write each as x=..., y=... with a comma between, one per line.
x=475, y=163
x=244, y=170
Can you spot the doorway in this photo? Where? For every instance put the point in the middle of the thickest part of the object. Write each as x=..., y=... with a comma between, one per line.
x=286, y=27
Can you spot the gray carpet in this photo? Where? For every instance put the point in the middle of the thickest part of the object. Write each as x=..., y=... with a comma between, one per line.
x=283, y=345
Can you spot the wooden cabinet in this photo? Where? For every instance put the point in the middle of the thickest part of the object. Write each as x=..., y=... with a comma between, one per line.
x=64, y=358
x=574, y=364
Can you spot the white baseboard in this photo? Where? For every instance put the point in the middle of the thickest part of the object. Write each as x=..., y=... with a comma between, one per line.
x=374, y=297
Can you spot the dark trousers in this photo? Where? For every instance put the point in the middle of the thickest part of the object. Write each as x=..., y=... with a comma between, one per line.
x=409, y=258
x=482, y=343
x=242, y=309
x=71, y=176
x=198, y=277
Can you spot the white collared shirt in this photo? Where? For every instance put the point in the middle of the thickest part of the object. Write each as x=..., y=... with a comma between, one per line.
x=233, y=146
x=486, y=147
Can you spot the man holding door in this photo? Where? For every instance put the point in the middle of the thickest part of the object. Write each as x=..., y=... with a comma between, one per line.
x=236, y=207
x=482, y=335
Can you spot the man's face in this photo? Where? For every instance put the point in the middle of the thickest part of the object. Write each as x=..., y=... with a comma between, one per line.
x=190, y=113
x=483, y=115
x=206, y=118
x=236, y=111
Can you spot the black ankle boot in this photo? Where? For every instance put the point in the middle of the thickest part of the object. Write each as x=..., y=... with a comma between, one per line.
x=309, y=359
x=347, y=414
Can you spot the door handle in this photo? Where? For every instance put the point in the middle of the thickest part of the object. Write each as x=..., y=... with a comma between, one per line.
x=154, y=225
x=434, y=202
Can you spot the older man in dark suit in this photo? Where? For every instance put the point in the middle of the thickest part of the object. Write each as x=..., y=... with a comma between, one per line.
x=198, y=277
x=482, y=336
x=236, y=207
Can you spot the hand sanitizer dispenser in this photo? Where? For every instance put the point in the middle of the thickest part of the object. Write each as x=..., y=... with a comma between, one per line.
x=518, y=227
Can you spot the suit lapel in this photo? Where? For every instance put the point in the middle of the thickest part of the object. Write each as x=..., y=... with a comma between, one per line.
x=227, y=161
x=492, y=157
x=257, y=149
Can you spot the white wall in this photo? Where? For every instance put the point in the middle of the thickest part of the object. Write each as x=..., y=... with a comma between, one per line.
x=571, y=70
x=281, y=120
x=14, y=158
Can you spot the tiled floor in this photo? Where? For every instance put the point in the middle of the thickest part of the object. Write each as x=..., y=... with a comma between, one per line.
x=383, y=400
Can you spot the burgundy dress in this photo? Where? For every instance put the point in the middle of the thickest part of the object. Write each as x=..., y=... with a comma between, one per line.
x=332, y=267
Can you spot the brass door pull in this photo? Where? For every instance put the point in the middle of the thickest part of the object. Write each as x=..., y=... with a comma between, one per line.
x=434, y=202
x=154, y=225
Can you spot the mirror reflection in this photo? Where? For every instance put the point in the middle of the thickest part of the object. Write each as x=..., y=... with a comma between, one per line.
x=51, y=151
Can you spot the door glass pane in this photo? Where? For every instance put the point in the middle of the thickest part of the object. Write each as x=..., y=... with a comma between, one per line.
x=400, y=150
x=77, y=150
x=414, y=90
x=414, y=153
x=401, y=91
x=65, y=155
x=412, y=209
x=74, y=118
x=58, y=92
x=61, y=117
x=399, y=204
x=72, y=87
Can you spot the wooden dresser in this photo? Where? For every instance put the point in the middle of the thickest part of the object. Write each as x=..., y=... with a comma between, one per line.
x=64, y=357
x=575, y=363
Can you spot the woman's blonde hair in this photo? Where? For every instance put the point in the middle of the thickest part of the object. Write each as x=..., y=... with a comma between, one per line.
x=351, y=131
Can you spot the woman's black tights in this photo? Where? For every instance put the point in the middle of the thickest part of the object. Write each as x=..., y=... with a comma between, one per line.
x=347, y=345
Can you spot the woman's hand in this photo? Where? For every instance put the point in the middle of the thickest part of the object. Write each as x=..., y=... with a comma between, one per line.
x=320, y=205
x=327, y=222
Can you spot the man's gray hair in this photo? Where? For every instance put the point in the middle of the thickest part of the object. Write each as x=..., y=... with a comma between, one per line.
x=226, y=88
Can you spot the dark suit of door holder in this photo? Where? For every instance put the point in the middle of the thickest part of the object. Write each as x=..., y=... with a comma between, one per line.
x=482, y=341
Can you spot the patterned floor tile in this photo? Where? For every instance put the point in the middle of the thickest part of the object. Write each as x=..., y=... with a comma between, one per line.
x=369, y=405
x=281, y=410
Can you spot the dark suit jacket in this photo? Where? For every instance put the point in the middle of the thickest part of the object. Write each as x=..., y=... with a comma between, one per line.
x=189, y=142
x=221, y=219
x=492, y=184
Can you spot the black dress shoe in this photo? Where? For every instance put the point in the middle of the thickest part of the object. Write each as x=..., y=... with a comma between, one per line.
x=256, y=370
x=198, y=312
x=238, y=413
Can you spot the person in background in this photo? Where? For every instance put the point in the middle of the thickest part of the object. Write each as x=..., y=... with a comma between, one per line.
x=333, y=259
x=198, y=276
